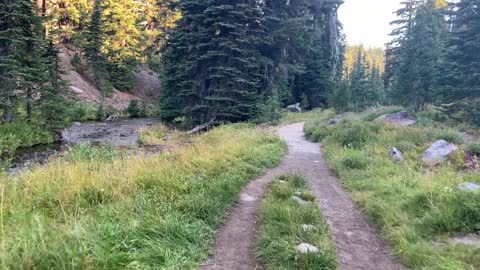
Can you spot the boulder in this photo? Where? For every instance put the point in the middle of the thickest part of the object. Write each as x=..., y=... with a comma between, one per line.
x=306, y=248
x=334, y=121
x=403, y=119
x=469, y=186
x=295, y=108
x=396, y=154
x=438, y=152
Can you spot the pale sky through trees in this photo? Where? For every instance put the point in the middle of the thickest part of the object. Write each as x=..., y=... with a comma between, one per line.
x=368, y=21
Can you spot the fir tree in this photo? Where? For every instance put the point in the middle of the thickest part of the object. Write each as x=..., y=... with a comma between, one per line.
x=419, y=57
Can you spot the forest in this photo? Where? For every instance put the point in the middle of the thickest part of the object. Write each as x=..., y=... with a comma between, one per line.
x=136, y=128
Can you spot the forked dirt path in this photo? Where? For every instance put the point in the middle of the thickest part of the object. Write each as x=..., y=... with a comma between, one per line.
x=357, y=243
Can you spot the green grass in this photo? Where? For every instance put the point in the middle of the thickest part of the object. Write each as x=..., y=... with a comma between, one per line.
x=20, y=134
x=416, y=206
x=280, y=228
x=136, y=212
x=316, y=114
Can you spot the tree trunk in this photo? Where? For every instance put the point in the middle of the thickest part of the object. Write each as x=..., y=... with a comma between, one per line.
x=7, y=116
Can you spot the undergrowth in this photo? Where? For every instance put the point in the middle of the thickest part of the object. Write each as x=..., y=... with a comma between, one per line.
x=281, y=231
x=418, y=207
x=156, y=212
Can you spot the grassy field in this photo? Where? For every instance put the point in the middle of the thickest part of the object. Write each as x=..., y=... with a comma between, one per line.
x=419, y=208
x=98, y=209
x=281, y=220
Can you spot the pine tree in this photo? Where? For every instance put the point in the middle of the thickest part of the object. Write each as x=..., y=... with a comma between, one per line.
x=359, y=83
x=403, y=24
x=419, y=57
x=225, y=65
x=459, y=70
x=95, y=37
x=20, y=64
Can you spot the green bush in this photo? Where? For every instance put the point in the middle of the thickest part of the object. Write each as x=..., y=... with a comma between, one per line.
x=355, y=160
x=474, y=148
x=78, y=64
x=352, y=134
x=405, y=146
x=449, y=136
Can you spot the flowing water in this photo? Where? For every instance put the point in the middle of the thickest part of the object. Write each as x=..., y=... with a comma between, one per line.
x=123, y=132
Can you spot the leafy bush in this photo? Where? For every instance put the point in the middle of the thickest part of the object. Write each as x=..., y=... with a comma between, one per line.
x=405, y=146
x=21, y=134
x=449, y=136
x=352, y=134
x=355, y=160
x=474, y=148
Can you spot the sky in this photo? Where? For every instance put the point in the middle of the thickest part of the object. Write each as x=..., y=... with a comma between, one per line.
x=367, y=21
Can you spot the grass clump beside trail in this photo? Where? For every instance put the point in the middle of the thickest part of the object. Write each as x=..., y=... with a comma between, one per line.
x=281, y=230
x=418, y=207
x=96, y=210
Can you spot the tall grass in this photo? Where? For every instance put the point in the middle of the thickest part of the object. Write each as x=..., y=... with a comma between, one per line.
x=281, y=220
x=419, y=208
x=140, y=212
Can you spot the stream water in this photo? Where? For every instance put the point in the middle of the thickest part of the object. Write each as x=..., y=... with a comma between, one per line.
x=123, y=132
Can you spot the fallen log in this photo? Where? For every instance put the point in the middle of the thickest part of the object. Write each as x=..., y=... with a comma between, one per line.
x=203, y=127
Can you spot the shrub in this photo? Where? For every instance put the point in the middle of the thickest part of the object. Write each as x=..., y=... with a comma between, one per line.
x=134, y=109
x=474, y=148
x=355, y=160
x=405, y=146
x=78, y=64
x=352, y=134
x=449, y=136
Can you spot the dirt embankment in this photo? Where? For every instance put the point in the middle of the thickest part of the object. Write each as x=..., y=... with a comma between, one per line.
x=146, y=90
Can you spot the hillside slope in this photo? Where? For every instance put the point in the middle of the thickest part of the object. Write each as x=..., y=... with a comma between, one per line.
x=82, y=89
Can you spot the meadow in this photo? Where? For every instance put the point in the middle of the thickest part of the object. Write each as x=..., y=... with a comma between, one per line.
x=420, y=209
x=96, y=208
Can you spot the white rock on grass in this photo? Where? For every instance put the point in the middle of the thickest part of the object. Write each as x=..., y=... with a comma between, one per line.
x=438, y=152
x=396, y=154
x=299, y=200
x=307, y=227
x=306, y=248
x=469, y=186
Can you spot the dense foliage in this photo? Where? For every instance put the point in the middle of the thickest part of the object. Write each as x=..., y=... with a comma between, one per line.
x=228, y=59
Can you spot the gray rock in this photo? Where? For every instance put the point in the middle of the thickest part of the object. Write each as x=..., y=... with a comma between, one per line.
x=307, y=227
x=295, y=108
x=334, y=121
x=396, y=154
x=306, y=248
x=299, y=200
x=76, y=124
x=469, y=186
x=439, y=152
x=403, y=119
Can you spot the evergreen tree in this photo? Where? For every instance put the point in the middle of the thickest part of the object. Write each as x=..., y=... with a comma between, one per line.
x=20, y=67
x=419, y=57
x=93, y=50
x=459, y=70
x=224, y=61
x=362, y=95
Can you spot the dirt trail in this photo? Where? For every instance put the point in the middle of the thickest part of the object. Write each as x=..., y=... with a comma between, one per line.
x=357, y=242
